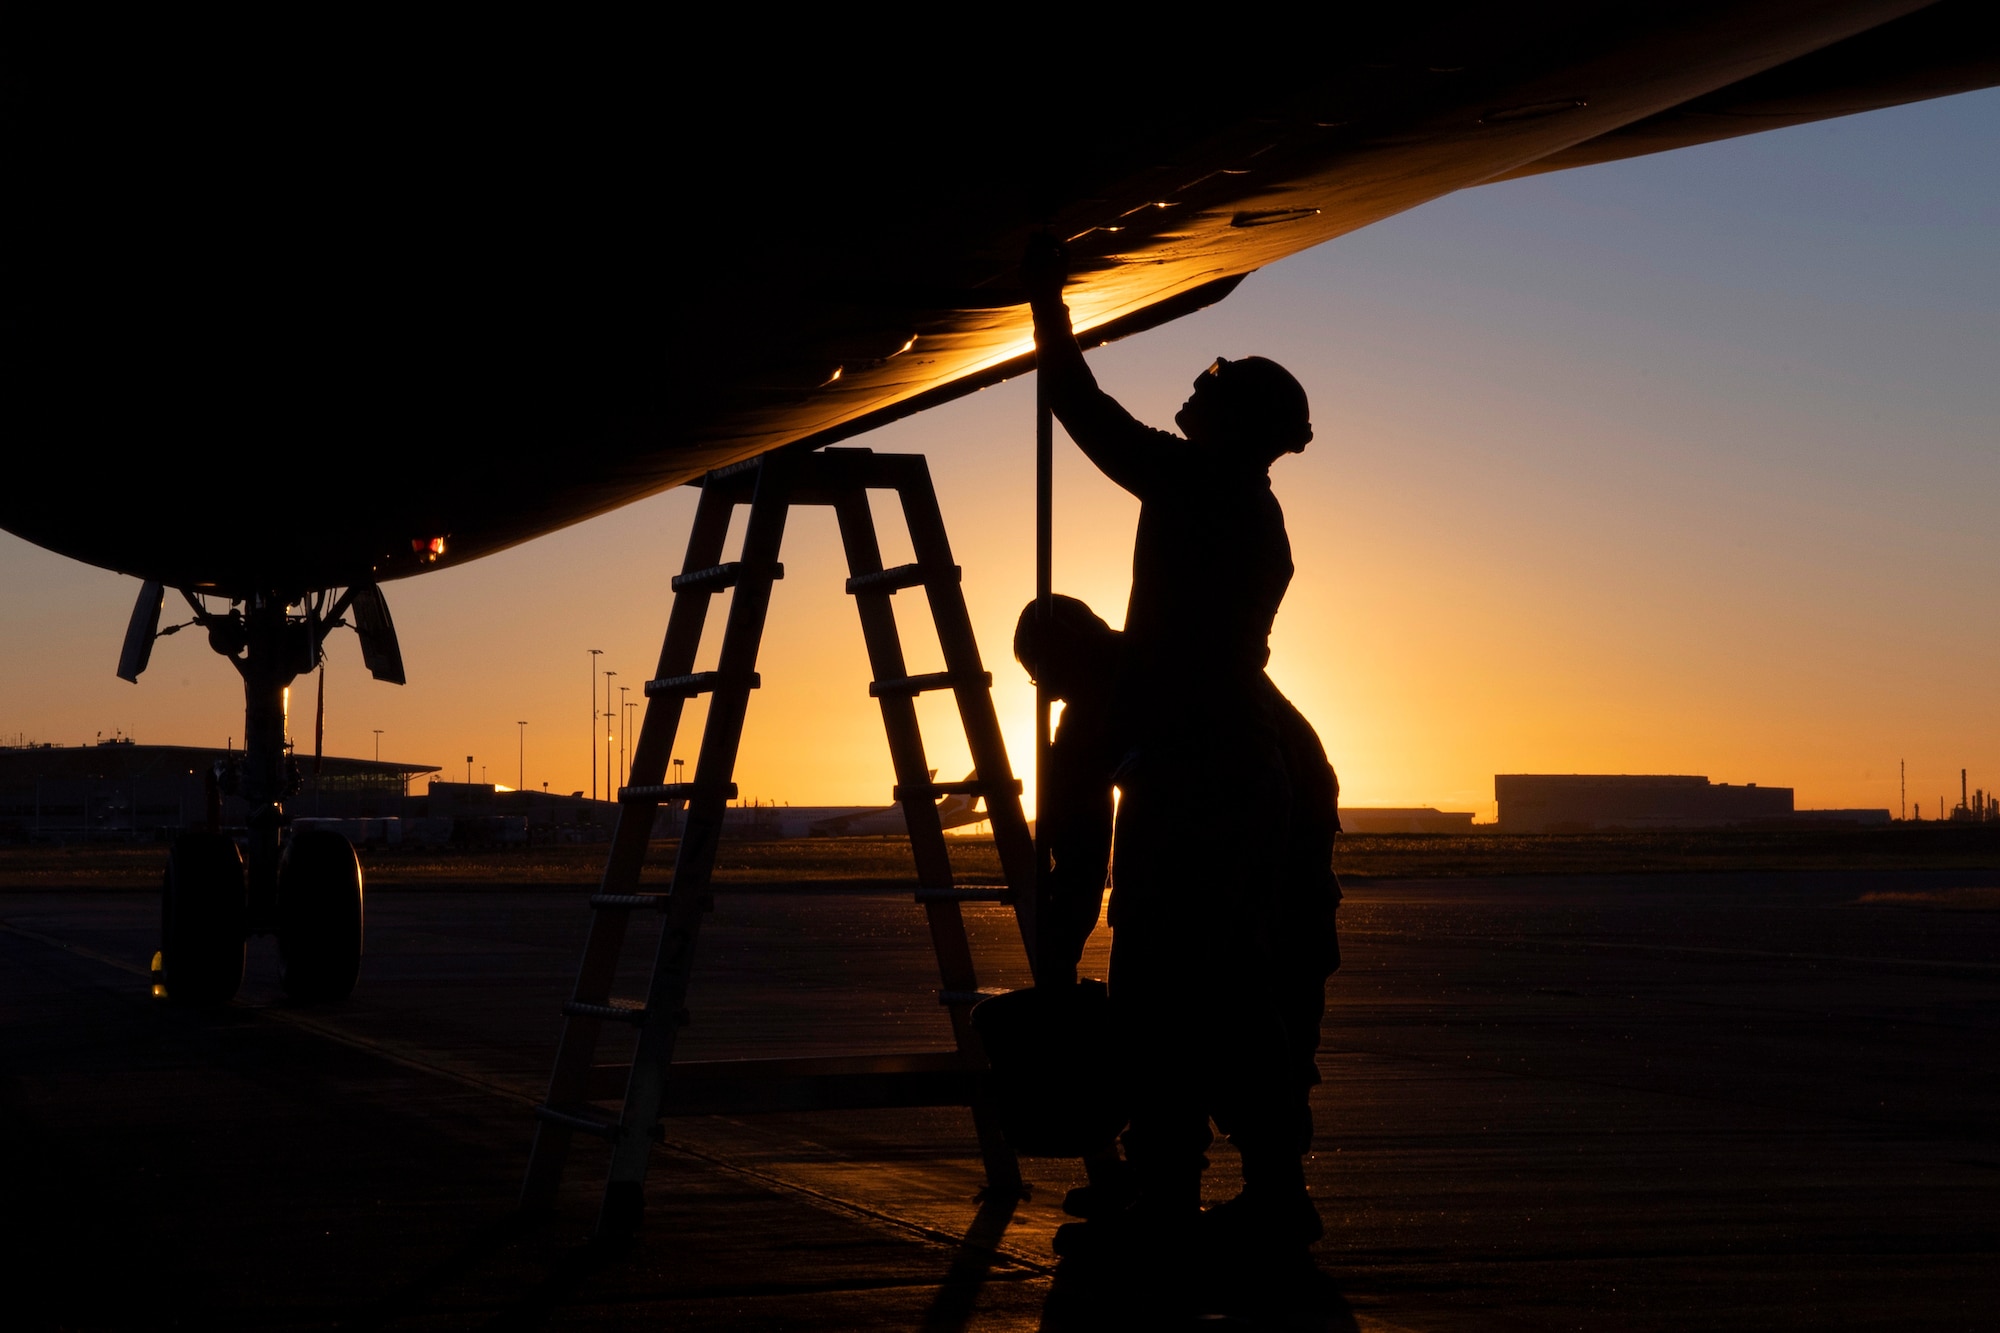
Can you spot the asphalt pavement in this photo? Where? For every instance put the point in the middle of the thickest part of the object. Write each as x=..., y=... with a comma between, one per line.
x=1605, y=1102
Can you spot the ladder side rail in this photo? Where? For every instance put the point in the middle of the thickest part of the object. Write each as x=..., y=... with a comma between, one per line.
x=933, y=859
x=1013, y=841
x=569, y=1079
x=885, y=659
x=906, y=753
x=661, y=719
x=694, y=866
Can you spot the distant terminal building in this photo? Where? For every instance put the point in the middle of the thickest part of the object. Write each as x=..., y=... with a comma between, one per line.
x=1584, y=802
x=1403, y=819
x=121, y=789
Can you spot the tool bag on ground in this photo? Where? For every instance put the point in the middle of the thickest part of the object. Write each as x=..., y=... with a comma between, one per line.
x=1055, y=1075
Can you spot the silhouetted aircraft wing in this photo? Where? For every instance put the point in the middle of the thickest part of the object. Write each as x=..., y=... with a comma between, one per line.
x=284, y=329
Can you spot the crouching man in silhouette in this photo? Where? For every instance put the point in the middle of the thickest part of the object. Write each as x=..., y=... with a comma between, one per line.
x=1206, y=797
x=1077, y=658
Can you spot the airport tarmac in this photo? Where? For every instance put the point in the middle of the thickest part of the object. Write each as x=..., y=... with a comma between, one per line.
x=1622, y=1102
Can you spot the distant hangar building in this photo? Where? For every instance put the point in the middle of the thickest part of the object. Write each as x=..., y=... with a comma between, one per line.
x=119, y=789
x=1403, y=819
x=1585, y=802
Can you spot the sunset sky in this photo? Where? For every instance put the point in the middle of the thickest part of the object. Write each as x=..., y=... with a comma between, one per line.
x=1688, y=464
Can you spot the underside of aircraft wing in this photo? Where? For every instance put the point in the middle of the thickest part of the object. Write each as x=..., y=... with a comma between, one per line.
x=294, y=331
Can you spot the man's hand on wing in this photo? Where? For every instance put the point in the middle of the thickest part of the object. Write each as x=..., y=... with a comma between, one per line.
x=1044, y=269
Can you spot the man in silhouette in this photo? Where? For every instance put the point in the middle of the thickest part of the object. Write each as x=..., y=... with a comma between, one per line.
x=1074, y=656
x=1206, y=797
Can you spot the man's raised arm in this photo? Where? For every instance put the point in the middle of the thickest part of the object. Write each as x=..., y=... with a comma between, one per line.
x=1128, y=452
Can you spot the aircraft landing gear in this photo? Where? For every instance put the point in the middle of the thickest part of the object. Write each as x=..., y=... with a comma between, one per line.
x=203, y=907
x=319, y=916
x=305, y=887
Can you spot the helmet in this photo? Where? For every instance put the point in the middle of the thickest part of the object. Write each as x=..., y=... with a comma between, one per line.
x=1262, y=399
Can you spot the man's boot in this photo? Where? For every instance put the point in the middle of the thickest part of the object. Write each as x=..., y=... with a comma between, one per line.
x=1113, y=1185
x=1161, y=1219
x=1273, y=1214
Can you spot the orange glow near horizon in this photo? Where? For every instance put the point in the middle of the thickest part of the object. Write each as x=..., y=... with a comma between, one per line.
x=1681, y=465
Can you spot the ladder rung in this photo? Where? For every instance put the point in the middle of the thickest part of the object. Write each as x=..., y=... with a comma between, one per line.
x=701, y=682
x=591, y=1120
x=937, y=680
x=903, y=576
x=618, y=1011
x=588, y=1119
x=717, y=577
x=628, y=900
x=967, y=893
x=969, y=787
x=966, y=996
x=659, y=901
x=673, y=791
x=737, y=469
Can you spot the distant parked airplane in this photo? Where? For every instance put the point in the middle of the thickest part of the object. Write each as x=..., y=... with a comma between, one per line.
x=956, y=810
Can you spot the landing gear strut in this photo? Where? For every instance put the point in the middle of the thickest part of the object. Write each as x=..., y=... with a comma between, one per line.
x=306, y=887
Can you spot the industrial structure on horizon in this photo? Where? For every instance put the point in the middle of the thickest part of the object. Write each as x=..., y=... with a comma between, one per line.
x=1974, y=807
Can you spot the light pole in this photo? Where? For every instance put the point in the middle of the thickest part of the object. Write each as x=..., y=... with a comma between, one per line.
x=468, y=770
x=521, y=760
x=632, y=740
x=378, y=745
x=593, y=721
x=610, y=792
x=680, y=767
x=624, y=761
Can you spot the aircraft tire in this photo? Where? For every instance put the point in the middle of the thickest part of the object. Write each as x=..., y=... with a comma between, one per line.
x=319, y=917
x=203, y=905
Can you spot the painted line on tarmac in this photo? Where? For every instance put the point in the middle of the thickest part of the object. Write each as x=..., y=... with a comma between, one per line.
x=1558, y=943
x=416, y=1058
x=411, y=1057
x=1006, y=1254
x=79, y=950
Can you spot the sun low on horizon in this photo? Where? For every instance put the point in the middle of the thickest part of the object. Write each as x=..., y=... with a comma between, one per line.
x=1684, y=464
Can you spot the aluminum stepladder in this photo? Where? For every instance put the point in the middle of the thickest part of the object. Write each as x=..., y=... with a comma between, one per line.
x=652, y=1085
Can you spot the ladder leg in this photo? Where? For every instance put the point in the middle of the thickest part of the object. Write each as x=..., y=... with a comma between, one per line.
x=1003, y=1166
x=975, y=706
x=933, y=859
x=573, y=1056
x=663, y=715
x=645, y=1093
x=578, y=1045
